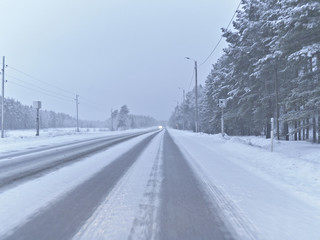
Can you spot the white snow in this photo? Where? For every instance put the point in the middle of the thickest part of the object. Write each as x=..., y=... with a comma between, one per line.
x=129, y=209
x=20, y=140
x=19, y=203
x=276, y=195
x=263, y=195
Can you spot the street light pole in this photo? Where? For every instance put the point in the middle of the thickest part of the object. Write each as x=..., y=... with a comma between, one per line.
x=183, y=93
x=77, y=108
x=2, y=103
x=196, y=90
x=183, y=98
x=196, y=80
x=111, y=119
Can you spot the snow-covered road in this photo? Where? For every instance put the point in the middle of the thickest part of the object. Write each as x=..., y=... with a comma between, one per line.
x=160, y=185
x=17, y=166
x=256, y=202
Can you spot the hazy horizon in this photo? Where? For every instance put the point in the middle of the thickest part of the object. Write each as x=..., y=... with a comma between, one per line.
x=111, y=53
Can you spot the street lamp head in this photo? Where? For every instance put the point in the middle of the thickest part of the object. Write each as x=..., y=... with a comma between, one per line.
x=189, y=58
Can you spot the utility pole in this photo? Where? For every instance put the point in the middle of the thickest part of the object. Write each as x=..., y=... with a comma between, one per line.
x=77, y=107
x=111, y=119
x=196, y=89
x=2, y=103
x=183, y=99
x=183, y=94
x=38, y=122
x=277, y=102
x=196, y=80
x=183, y=116
x=222, y=123
x=37, y=106
x=222, y=105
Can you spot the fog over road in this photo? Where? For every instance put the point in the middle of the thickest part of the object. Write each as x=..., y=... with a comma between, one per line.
x=144, y=189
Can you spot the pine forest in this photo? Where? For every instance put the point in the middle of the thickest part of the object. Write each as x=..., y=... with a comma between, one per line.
x=270, y=69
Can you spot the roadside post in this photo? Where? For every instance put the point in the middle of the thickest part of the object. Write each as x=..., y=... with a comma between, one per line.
x=272, y=133
x=222, y=105
x=37, y=105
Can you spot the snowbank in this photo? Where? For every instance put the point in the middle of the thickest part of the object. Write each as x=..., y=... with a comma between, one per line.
x=277, y=192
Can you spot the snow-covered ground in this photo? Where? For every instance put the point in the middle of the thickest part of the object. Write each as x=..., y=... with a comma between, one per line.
x=262, y=194
x=276, y=194
x=129, y=211
x=21, y=202
x=19, y=140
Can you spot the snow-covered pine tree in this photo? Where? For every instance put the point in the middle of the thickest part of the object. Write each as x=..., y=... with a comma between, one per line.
x=300, y=45
x=123, y=117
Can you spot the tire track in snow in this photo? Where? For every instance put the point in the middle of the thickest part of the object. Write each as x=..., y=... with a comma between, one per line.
x=144, y=226
x=241, y=227
x=186, y=211
x=26, y=167
x=65, y=217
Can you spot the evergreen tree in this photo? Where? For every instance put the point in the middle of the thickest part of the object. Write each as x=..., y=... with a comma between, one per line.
x=270, y=69
x=123, y=117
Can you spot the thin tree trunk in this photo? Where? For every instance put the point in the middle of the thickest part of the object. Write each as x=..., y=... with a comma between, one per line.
x=304, y=130
x=314, y=130
x=318, y=69
x=319, y=128
x=286, y=130
x=307, y=129
x=300, y=135
x=295, y=133
x=286, y=126
x=268, y=135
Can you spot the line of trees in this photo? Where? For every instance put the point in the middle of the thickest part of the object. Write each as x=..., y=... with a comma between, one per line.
x=271, y=68
x=19, y=116
x=122, y=120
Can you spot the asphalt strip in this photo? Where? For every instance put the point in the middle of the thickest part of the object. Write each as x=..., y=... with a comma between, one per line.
x=185, y=209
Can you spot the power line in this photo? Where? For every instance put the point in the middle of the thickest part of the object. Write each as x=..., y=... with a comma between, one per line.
x=92, y=103
x=191, y=80
x=216, y=46
x=39, y=80
x=77, y=105
x=41, y=88
x=50, y=93
x=39, y=91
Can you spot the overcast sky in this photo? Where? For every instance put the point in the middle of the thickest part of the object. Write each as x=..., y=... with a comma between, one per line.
x=110, y=52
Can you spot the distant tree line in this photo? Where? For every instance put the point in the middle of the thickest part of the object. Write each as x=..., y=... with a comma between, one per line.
x=122, y=120
x=271, y=68
x=19, y=116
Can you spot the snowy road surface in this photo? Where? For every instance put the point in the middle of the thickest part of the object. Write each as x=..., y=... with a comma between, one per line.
x=185, y=209
x=17, y=166
x=158, y=185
